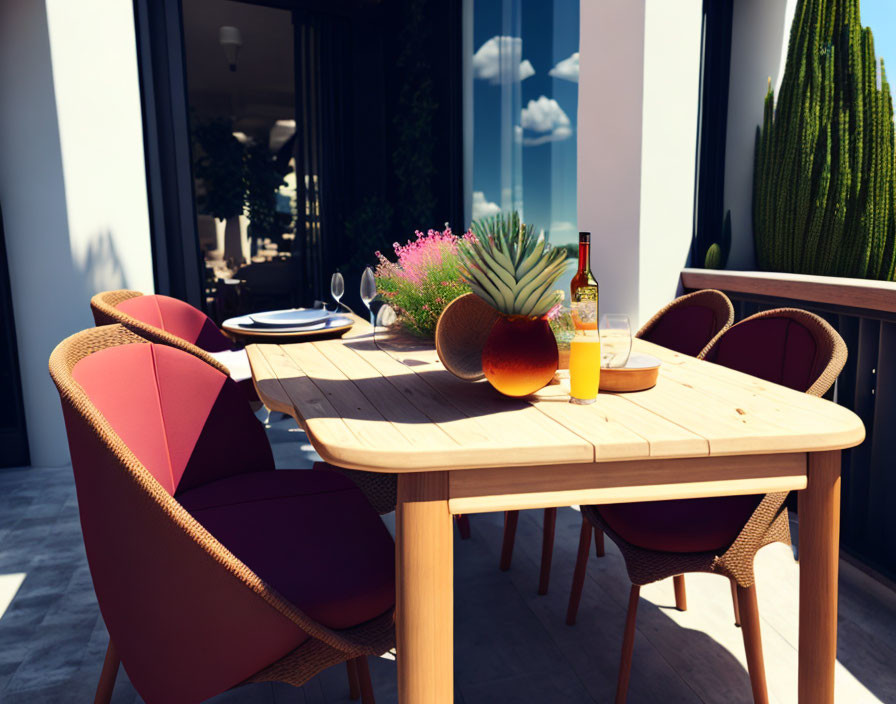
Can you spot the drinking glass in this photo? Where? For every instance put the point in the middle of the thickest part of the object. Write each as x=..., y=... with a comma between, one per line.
x=337, y=287
x=584, y=354
x=615, y=340
x=368, y=290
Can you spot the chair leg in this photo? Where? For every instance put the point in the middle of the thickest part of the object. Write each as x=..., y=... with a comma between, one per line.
x=354, y=690
x=108, y=675
x=510, y=520
x=463, y=526
x=599, y=542
x=364, y=680
x=736, y=607
x=628, y=645
x=547, y=549
x=681, y=597
x=749, y=611
x=578, y=577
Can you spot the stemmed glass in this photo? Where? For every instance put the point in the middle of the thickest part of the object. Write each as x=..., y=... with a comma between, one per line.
x=615, y=340
x=368, y=290
x=337, y=287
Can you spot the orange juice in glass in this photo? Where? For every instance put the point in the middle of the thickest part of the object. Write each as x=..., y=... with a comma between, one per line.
x=584, y=354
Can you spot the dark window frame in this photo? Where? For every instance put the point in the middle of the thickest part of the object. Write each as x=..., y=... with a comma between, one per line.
x=13, y=437
x=712, y=127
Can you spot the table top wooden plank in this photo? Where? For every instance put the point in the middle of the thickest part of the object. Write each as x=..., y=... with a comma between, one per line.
x=618, y=429
x=389, y=405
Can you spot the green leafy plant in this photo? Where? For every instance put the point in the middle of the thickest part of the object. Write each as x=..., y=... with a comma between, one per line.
x=823, y=189
x=510, y=267
x=218, y=164
x=717, y=254
x=262, y=180
x=424, y=279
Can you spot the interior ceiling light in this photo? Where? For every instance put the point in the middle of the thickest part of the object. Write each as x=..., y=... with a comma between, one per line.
x=231, y=40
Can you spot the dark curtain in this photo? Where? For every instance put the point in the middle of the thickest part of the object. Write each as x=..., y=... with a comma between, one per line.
x=379, y=132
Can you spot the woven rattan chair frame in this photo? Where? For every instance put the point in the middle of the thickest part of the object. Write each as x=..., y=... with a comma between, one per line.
x=105, y=312
x=769, y=522
x=325, y=647
x=716, y=301
x=830, y=345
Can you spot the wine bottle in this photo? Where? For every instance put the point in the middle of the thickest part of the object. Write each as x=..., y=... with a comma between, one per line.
x=584, y=286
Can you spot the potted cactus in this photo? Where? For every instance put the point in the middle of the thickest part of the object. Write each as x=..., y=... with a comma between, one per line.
x=514, y=271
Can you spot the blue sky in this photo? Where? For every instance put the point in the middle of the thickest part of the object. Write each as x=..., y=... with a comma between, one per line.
x=549, y=31
x=880, y=15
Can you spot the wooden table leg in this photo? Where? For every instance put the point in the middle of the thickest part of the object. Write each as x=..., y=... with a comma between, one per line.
x=425, y=589
x=819, y=515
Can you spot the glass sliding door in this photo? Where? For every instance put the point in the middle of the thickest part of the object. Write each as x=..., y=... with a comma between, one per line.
x=525, y=72
x=317, y=139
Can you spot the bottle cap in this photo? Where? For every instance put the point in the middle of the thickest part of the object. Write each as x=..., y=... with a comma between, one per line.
x=584, y=237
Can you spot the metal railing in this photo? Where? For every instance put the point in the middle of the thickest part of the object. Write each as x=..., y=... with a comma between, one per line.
x=864, y=313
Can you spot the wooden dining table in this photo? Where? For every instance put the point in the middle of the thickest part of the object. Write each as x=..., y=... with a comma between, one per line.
x=376, y=403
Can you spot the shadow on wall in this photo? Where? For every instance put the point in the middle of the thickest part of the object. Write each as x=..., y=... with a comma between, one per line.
x=102, y=269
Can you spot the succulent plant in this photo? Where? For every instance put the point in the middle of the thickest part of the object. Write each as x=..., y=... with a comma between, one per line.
x=824, y=183
x=510, y=267
x=717, y=254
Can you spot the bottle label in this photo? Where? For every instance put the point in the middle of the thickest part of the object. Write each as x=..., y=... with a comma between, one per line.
x=586, y=293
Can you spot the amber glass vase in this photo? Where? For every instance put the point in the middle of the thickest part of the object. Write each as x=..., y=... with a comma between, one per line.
x=520, y=355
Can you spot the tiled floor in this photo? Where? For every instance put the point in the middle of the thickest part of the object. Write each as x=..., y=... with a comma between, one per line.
x=511, y=645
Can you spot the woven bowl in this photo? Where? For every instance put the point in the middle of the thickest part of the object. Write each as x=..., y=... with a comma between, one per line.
x=461, y=333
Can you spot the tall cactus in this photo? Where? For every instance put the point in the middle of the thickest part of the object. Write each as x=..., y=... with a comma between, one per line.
x=824, y=178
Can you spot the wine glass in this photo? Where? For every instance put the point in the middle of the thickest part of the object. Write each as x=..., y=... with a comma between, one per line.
x=615, y=340
x=368, y=290
x=337, y=287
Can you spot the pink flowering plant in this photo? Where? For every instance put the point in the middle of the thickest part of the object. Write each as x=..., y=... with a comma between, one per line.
x=423, y=280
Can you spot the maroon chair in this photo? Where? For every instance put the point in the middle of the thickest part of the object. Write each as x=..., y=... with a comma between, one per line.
x=661, y=539
x=687, y=325
x=690, y=322
x=211, y=568
x=170, y=321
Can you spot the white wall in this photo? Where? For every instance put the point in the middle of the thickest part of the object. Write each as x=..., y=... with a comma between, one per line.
x=72, y=181
x=672, y=48
x=611, y=68
x=638, y=108
x=760, y=33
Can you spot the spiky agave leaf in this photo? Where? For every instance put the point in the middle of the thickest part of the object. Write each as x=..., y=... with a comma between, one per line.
x=510, y=267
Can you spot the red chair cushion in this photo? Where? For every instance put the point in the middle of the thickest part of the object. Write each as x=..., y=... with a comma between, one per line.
x=686, y=329
x=186, y=422
x=310, y=534
x=684, y=525
x=179, y=318
x=780, y=350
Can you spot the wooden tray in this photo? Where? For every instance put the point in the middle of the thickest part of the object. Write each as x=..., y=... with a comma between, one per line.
x=639, y=373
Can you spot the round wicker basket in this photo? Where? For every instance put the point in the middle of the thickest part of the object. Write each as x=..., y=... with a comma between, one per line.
x=461, y=333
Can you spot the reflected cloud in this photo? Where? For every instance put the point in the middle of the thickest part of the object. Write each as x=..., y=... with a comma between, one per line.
x=568, y=69
x=500, y=61
x=545, y=115
x=483, y=208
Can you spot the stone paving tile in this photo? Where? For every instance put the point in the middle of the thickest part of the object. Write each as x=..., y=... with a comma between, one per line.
x=510, y=645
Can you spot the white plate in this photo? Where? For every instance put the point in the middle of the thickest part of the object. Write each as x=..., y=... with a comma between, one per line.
x=297, y=317
x=245, y=322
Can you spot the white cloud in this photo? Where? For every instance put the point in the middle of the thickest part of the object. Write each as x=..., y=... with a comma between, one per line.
x=500, y=60
x=568, y=69
x=563, y=230
x=483, y=208
x=546, y=116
